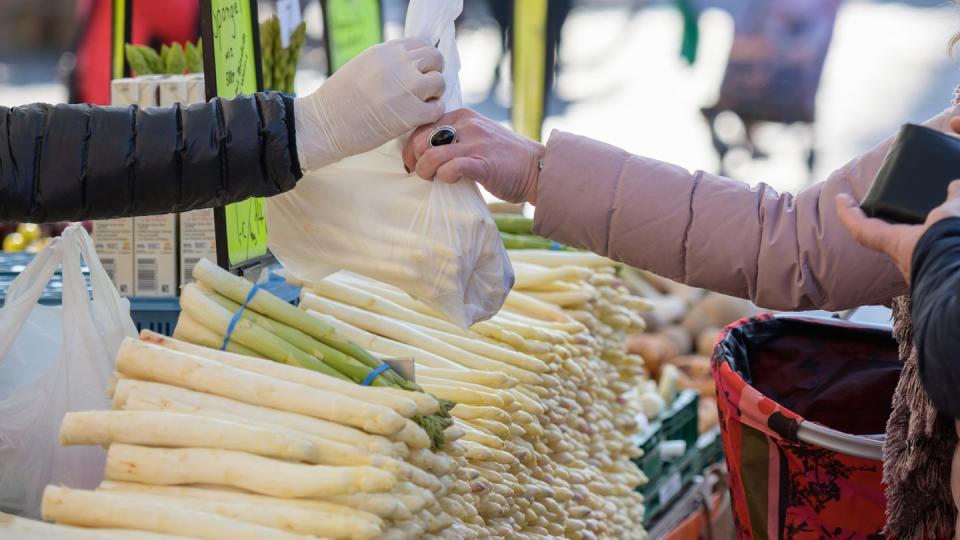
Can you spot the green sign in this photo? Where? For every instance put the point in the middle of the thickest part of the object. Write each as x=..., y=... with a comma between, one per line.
x=350, y=27
x=121, y=36
x=232, y=62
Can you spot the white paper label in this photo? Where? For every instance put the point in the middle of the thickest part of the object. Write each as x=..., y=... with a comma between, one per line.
x=406, y=367
x=288, y=11
x=670, y=487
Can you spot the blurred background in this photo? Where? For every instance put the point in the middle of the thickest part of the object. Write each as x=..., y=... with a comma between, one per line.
x=620, y=77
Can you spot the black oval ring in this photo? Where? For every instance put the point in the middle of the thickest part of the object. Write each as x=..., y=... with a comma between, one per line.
x=442, y=135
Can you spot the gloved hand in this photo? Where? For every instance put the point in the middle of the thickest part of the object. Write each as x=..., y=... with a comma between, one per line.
x=378, y=96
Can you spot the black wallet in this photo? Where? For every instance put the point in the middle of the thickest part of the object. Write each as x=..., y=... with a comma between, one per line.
x=914, y=176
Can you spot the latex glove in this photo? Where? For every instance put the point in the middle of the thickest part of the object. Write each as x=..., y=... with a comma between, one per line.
x=378, y=96
x=505, y=163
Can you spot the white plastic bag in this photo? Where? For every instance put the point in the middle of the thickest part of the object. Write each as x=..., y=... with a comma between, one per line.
x=435, y=241
x=55, y=359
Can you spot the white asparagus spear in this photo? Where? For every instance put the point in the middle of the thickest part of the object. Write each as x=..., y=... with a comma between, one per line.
x=217, y=493
x=266, y=476
x=551, y=259
x=266, y=512
x=110, y=510
x=176, y=430
x=405, y=403
x=262, y=415
x=412, y=435
x=30, y=529
x=385, y=505
x=534, y=307
x=143, y=360
x=489, y=379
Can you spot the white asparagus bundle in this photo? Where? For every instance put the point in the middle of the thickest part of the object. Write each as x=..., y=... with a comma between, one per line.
x=387, y=347
x=109, y=510
x=181, y=466
x=146, y=361
x=175, y=398
x=405, y=403
x=345, y=293
x=175, y=430
x=400, y=331
x=400, y=298
x=328, y=452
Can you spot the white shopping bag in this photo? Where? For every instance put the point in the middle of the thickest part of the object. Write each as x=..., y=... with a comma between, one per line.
x=435, y=241
x=55, y=359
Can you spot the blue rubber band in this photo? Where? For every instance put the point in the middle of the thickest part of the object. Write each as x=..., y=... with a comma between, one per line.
x=236, y=316
x=374, y=374
x=556, y=247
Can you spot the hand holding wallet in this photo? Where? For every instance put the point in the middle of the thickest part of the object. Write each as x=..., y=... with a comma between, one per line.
x=914, y=176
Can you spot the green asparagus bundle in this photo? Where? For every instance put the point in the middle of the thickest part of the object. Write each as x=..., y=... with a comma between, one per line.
x=173, y=59
x=279, y=63
x=270, y=328
x=513, y=223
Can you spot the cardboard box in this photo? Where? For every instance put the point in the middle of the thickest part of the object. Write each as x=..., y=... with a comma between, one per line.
x=198, y=240
x=113, y=238
x=149, y=90
x=196, y=91
x=155, y=237
x=155, y=255
x=173, y=90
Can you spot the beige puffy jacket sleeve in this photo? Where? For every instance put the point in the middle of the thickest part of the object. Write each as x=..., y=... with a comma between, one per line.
x=783, y=251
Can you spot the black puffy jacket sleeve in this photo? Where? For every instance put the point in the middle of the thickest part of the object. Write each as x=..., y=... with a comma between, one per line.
x=936, y=313
x=77, y=162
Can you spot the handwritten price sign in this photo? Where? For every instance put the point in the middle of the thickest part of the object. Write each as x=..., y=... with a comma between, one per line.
x=230, y=25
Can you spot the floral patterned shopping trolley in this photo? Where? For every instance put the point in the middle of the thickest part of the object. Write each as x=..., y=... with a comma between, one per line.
x=803, y=405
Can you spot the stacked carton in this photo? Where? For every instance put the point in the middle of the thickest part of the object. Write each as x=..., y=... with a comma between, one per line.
x=152, y=256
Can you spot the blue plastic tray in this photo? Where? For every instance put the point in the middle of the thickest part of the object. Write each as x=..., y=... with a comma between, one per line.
x=156, y=314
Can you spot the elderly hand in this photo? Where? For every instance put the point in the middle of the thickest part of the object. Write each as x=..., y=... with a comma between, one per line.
x=896, y=240
x=504, y=162
x=378, y=96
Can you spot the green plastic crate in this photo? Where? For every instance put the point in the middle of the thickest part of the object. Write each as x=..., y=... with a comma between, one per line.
x=651, y=462
x=681, y=420
x=676, y=477
x=710, y=447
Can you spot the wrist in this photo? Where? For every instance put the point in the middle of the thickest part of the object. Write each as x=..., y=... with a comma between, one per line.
x=533, y=178
x=313, y=146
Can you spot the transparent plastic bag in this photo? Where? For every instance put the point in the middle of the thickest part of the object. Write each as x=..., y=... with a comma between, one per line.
x=55, y=359
x=435, y=241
